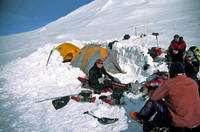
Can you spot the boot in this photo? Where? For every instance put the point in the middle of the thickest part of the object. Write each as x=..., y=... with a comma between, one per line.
x=97, y=91
x=116, y=96
x=134, y=116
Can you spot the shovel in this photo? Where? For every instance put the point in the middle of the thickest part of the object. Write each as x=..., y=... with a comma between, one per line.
x=58, y=102
x=103, y=120
x=61, y=102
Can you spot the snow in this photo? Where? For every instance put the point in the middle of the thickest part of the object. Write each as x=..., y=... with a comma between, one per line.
x=25, y=79
x=29, y=80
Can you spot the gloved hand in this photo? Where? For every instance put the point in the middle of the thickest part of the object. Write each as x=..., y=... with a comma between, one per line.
x=101, y=80
x=116, y=79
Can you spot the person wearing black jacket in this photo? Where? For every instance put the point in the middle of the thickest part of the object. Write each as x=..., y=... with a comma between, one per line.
x=191, y=63
x=99, y=79
x=96, y=79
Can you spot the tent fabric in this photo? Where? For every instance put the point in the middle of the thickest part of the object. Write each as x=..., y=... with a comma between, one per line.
x=87, y=56
x=67, y=51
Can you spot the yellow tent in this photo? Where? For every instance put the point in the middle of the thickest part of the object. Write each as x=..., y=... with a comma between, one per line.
x=67, y=51
x=87, y=56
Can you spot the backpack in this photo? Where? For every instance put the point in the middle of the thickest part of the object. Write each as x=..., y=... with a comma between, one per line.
x=156, y=80
x=155, y=51
x=196, y=51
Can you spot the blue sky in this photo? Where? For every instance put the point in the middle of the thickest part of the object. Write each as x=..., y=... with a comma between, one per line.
x=18, y=16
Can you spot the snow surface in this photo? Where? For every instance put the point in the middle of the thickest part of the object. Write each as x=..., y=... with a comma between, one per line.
x=25, y=79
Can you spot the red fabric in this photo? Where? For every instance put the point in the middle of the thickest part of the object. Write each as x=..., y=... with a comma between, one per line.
x=75, y=98
x=93, y=100
x=157, y=52
x=134, y=116
x=158, y=81
x=175, y=45
x=106, y=90
x=108, y=101
x=117, y=87
x=182, y=100
x=82, y=79
x=99, y=61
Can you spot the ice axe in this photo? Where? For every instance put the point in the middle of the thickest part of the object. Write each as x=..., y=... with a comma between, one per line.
x=156, y=34
x=50, y=56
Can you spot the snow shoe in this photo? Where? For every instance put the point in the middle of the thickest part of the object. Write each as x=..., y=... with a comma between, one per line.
x=85, y=85
x=84, y=96
x=107, y=100
x=110, y=100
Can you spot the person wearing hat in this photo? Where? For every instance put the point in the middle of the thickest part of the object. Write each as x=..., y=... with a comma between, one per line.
x=191, y=63
x=99, y=79
x=176, y=49
x=180, y=108
x=96, y=79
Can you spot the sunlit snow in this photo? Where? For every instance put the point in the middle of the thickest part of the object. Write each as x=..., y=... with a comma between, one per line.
x=25, y=79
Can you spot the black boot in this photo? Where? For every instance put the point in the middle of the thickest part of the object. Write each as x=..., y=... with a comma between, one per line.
x=116, y=96
x=97, y=91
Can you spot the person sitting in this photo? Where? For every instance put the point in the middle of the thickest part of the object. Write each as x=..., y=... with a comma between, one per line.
x=100, y=82
x=153, y=81
x=191, y=63
x=180, y=108
x=176, y=49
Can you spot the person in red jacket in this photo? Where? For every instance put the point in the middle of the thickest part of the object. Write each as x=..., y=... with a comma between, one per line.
x=181, y=104
x=176, y=49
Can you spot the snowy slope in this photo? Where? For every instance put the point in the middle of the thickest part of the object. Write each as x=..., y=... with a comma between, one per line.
x=111, y=19
x=26, y=79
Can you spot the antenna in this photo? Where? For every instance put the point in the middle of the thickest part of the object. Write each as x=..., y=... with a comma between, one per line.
x=135, y=31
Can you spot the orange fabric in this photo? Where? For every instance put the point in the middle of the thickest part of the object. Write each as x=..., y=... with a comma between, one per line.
x=134, y=116
x=182, y=100
x=89, y=52
x=93, y=51
x=87, y=55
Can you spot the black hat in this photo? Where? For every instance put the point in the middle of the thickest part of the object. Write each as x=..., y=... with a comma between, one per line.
x=176, y=68
x=176, y=36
